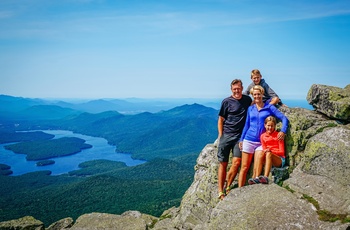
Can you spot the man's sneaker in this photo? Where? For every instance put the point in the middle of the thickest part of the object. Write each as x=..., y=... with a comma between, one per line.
x=263, y=179
x=253, y=181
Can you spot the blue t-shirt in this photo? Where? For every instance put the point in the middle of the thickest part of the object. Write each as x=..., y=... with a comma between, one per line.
x=235, y=112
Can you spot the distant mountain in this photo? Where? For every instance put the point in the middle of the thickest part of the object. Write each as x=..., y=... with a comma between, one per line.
x=191, y=110
x=99, y=106
x=17, y=108
x=16, y=104
x=46, y=112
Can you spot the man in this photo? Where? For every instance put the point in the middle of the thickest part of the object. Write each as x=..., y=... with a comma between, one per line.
x=232, y=116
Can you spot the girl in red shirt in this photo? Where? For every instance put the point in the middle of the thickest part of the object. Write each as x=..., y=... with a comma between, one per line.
x=273, y=150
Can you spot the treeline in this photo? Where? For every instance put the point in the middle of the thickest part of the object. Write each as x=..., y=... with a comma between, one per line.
x=109, y=187
x=45, y=149
x=8, y=136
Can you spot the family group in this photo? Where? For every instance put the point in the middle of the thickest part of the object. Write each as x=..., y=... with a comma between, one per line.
x=247, y=128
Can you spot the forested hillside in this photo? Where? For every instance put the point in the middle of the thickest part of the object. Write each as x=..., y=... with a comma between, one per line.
x=169, y=140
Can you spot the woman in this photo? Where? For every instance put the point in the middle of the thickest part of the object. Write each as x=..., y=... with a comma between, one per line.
x=254, y=127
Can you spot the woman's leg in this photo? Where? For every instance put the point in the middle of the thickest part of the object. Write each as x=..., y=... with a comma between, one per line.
x=259, y=160
x=245, y=165
x=255, y=164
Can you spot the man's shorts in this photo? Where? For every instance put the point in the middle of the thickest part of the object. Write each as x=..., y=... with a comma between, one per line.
x=251, y=146
x=226, y=144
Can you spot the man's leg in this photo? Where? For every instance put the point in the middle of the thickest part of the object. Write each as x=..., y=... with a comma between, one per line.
x=222, y=178
x=236, y=163
x=232, y=173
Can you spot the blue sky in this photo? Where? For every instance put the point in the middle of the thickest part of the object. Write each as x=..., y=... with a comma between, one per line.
x=170, y=49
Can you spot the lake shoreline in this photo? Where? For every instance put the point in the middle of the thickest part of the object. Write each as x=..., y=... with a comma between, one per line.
x=100, y=150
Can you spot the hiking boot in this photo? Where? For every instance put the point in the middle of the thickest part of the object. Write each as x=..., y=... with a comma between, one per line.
x=263, y=179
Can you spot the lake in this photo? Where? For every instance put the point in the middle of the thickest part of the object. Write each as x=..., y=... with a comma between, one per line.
x=100, y=150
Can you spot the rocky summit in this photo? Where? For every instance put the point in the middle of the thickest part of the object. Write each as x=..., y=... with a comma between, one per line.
x=313, y=192
x=334, y=102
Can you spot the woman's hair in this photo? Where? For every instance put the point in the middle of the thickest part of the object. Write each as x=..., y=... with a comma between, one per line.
x=257, y=87
x=255, y=72
x=270, y=118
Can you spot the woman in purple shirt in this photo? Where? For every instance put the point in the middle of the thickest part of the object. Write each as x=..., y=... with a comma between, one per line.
x=254, y=127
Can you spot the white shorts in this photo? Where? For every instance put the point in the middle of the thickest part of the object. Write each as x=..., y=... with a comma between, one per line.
x=251, y=146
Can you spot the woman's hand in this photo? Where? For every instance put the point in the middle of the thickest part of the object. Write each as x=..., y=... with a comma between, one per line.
x=280, y=136
x=240, y=145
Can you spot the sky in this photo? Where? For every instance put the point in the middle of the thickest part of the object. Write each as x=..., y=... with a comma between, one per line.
x=170, y=48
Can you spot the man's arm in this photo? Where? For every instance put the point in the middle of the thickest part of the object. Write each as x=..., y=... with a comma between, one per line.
x=221, y=125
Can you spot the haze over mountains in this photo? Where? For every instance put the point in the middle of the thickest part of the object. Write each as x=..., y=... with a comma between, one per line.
x=124, y=106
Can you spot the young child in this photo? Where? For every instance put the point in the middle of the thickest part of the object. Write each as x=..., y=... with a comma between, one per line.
x=273, y=153
x=269, y=95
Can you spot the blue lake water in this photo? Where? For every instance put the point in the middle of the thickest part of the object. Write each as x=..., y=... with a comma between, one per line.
x=100, y=150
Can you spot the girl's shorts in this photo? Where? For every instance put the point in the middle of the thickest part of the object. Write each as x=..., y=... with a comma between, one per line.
x=283, y=162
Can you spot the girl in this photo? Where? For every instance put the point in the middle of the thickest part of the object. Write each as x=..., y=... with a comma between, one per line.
x=273, y=151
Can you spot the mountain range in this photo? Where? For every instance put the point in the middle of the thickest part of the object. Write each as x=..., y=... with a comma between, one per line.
x=169, y=140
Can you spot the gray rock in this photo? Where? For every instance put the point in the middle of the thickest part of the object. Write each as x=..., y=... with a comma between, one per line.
x=264, y=207
x=61, y=224
x=24, y=223
x=97, y=221
x=303, y=124
x=324, y=171
x=331, y=101
x=201, y=197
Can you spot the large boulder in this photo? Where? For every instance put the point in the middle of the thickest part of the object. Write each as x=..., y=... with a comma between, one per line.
x=61, y=224
x=201, y=197
x=265, y=207
x=331, y=101
x=324, y=172
x=132, y=220
x=24, y=223
x=303, y=125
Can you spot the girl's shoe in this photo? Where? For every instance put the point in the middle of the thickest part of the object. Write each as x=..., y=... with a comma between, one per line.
x=263, y=179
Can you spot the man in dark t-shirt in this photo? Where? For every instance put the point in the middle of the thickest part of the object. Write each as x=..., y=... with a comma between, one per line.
x=232, y=116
